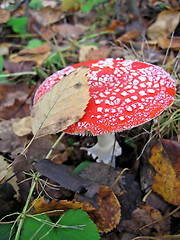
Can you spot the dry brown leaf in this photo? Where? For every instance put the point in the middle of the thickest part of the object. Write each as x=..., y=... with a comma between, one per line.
x=128, y=36
x=38, y=50
x=4, y=16
x=166, y=43
x=38, y=58
x=22, y=127
x=14, y=101
x=40, y=206
x=68, y=30
x=62, y=105
x=167, y=180
x=84, y=51
x=165, y=24
x=142, y=221
x=109, y=209
x=47, y=15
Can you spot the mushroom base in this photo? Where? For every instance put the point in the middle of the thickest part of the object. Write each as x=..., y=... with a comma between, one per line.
x=105, y=149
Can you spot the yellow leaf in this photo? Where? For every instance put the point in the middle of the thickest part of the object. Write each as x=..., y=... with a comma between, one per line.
x=166, y=181
x=62, y=105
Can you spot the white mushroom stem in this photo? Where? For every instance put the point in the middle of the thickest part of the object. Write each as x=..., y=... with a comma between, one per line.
x=105, y=149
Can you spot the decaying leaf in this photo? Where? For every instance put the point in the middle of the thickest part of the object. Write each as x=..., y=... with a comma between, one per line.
x=126, y=189
x=62, y=105
x=145, y=216
x=109, y=209
x=40, y=206
x=14, y=100
x=167, y=179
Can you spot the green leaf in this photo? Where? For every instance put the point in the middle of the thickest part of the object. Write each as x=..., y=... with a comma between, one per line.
x=6, y=231
x=1, y=63
x=34, y=43
x=35, y=228
x=81, y=167
x=35, y=4
x=84, y=227
x=18, y=25
x=74, y=224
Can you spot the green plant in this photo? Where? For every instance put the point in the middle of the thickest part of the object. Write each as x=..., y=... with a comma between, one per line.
x=35, y=4
x=89, y=4
x=19, y=25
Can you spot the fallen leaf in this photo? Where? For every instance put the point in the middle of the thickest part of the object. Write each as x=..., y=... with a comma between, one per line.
x=20, y=164
x=106, y=216
x=40, y=206
x=128, y=36
x=99, y=53
x=70, y=5
x=8, y=140
x=84, y=51
x=4, y=16
x=62, y=105
x=61, y=174
x=68, y=30
x=14, y=101
x=4, y=48
x=38, y=58
x=166, y=43
x=146, y=215
x=114, y=25
x=165, y=24
x=3, y=167
x=41, y=146
x=109, y=209
x=126, y=189
x=47, y=15
x=38, y=50
x=24, y=66
x=22, y=127
x=167, y=180
x=172, y=149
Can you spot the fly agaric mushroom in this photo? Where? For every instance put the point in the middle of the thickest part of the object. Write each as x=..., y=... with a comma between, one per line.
x=124, y=94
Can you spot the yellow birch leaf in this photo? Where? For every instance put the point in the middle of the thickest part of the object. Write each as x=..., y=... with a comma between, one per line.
x=62, y=105
x=166, y=180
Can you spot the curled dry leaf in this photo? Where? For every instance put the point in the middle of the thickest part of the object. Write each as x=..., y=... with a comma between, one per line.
x=61, y=106
x=167, y=179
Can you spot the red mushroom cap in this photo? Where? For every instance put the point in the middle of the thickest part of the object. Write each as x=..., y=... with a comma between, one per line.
x=124, y=94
